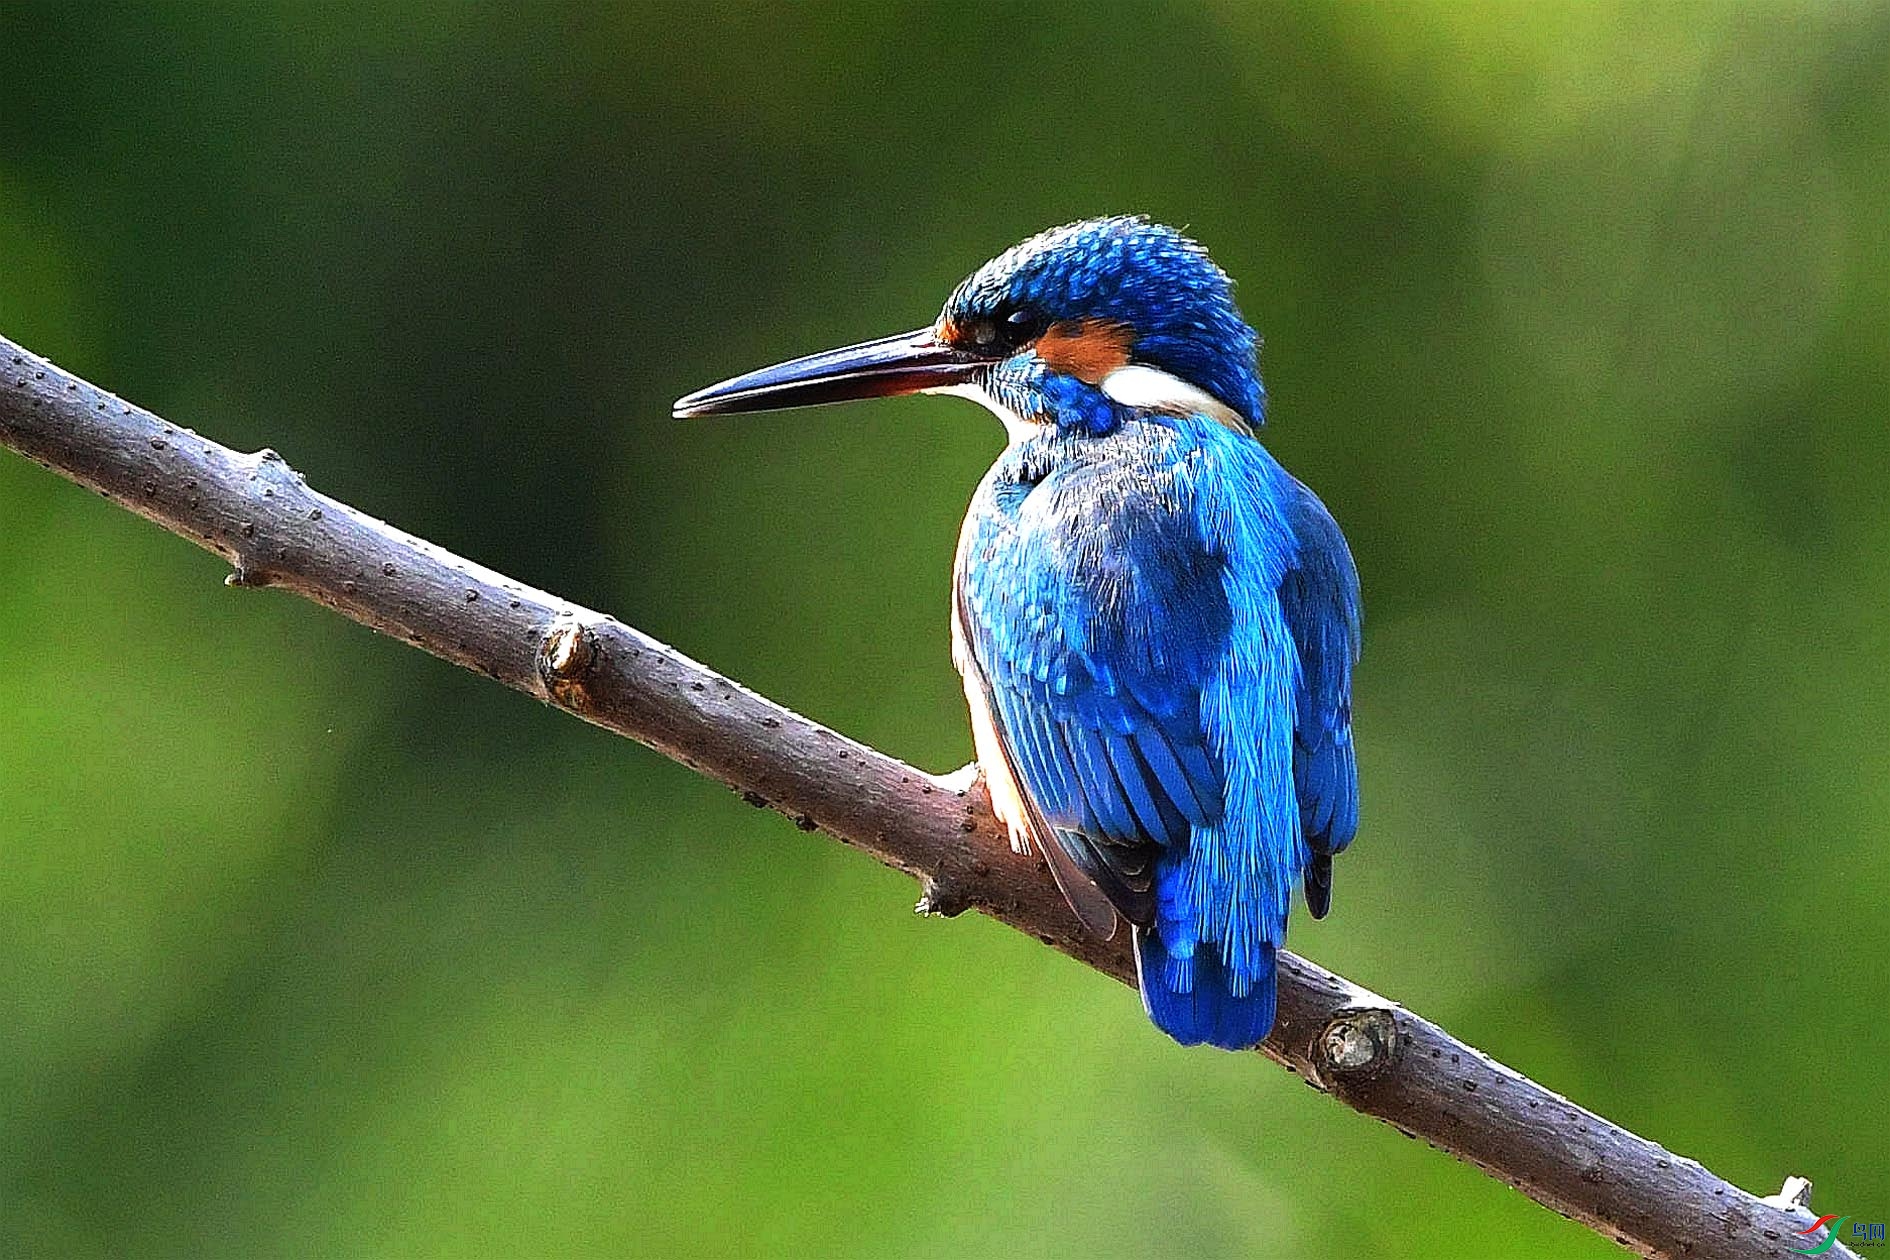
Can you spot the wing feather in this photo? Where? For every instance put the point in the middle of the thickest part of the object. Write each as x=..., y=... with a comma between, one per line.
x=1093, y=635
x=1320, y=599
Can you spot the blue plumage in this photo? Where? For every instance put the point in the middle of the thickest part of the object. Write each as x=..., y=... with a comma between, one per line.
x=1156, y=623
x=1135, y=605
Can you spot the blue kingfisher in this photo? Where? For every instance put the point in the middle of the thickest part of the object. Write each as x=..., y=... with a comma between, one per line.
x=1156, y=623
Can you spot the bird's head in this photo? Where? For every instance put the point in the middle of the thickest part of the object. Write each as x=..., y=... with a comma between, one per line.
x=1076, y=327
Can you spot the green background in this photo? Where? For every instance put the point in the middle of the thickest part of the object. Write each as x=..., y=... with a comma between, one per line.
x=312, y=945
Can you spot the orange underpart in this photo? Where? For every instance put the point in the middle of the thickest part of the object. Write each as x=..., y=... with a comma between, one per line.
x=1088, y=349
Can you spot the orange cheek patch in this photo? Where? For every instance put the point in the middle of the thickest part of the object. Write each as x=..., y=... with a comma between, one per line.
x=1088, y=349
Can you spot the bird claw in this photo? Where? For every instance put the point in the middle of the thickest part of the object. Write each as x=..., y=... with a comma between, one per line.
x=961, y=780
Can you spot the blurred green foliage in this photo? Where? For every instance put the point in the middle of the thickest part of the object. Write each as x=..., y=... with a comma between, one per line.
x=310, y=945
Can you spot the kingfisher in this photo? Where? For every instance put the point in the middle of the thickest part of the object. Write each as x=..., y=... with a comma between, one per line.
x=1155, y=622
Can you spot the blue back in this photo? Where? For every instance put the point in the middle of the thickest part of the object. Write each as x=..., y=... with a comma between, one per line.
x=1165, y=621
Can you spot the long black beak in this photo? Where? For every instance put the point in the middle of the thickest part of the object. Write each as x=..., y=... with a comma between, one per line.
x=905, y=364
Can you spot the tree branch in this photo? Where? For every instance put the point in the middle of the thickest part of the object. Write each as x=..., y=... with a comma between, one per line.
x=1365, y=1051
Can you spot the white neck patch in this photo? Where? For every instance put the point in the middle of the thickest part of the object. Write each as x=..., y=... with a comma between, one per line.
x=1150, y=388
x=1016, y=428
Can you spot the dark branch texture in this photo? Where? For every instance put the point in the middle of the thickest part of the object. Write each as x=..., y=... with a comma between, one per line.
x=1363, y=1050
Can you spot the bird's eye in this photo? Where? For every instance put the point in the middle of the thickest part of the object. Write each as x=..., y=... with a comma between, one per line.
x=1003, y=331
x=1023, y=325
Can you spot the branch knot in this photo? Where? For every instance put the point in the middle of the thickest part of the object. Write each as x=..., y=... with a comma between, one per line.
x=943, y=895
x=565, y=657
x=1357, y=1044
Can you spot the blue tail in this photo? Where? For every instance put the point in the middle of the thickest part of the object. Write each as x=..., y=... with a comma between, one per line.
x=1192, y=1001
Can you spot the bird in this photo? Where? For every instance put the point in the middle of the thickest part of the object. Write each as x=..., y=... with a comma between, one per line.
x=1156, y=624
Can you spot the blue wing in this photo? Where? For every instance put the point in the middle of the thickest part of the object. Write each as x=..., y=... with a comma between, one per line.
x=1122, y=614
x=1093, y=634
x=1320, y=598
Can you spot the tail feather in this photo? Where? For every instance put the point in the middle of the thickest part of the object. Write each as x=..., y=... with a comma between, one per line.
x=1192, y=999
x=1318, y=885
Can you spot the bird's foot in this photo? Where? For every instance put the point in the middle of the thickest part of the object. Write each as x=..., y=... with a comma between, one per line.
x=961, y=780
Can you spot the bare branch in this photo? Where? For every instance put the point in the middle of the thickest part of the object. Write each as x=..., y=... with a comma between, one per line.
x=1367, y=1052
